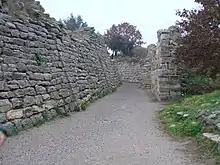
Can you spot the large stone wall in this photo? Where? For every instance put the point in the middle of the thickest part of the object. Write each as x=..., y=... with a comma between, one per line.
x=47, y=71
x=164, y=76
x=133, y=70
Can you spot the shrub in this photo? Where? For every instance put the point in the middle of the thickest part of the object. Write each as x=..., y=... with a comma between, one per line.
x=194, y=85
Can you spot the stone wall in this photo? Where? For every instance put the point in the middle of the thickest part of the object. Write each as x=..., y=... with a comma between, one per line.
x=46, y=71
x=133, y=70
x=157, y=70
x=164, y=77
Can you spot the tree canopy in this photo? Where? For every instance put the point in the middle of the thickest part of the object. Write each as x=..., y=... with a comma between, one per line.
x=74, y=23
x=200, y=45
x=123, y=38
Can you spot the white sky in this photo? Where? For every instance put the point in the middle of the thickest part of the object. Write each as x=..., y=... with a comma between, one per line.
x=148, y=15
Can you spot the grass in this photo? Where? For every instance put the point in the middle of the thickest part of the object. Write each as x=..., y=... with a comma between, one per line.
x=181, y=119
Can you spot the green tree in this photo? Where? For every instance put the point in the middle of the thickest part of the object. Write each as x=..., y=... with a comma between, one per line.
x=123, y=38
x=74, y=23
x=200, y=44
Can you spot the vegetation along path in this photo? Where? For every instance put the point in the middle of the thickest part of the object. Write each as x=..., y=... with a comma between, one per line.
x=119, y=129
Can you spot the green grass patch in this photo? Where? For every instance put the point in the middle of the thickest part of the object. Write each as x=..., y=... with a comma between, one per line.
x=181, y=118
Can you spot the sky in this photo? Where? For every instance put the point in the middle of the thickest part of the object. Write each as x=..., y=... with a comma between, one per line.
x=147, y=15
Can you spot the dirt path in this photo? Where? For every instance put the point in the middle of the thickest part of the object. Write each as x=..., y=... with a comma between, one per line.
x=119, y=129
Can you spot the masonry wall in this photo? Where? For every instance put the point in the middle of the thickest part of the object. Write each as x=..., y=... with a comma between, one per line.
x=133, y=71
x=157, y=70
x=47, y=71
x=164, y=76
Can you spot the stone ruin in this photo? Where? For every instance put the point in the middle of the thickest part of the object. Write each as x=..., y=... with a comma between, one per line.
x=157, y=70
x=46, y=70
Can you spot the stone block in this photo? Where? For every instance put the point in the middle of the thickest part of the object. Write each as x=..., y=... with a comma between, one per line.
x=6, y=95
x=3, y=86
x=40, y=89
x=24, y=35
x=49, y=104
x=51, y=89
x=29, y=91
x=28, y=101
x=15, y=33
x=10, y=25
x=19, y=76
x=29, y=111
x=23, y=83
x=38, y=109
x=64, y=92
x=16, y=102
x=19, y=93
x=47, y=77
x=14, y=114
x=21, y=67
x=55, y=95
x=38, y=100
x=5, y=105
x=38, y=76
x=46, y=97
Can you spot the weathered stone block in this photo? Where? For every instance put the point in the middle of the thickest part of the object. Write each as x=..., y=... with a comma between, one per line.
x=19, y=76
x=38, y=76
x=46, y=97
x=38, y=109
x=6, y=95
x=29, y=91
x=3, y=86
x=64, y=92
x=60, y=103
x=51, y=89
x=16, y=102
x=14, y=114
x=10, y=25
x=49, y=104
x=47, y=77
x=28, y=101
x=29, y=111
x=15, y=33
x=38, y=100
x=40, y=89
x=21, y=67
x=5, y=105
x=19, y=93
x=55, y=95
x=21, y=27
x=24, y=35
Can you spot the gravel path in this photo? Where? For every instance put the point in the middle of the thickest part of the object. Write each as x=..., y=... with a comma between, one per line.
x=119, y=129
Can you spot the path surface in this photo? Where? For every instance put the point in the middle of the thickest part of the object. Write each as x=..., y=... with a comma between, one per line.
x=119, y=129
